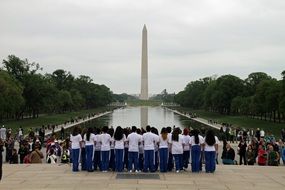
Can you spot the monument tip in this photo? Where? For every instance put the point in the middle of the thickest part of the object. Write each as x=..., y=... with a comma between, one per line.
x=144, y=27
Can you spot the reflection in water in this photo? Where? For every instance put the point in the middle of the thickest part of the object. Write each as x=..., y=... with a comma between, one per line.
x=144, y=116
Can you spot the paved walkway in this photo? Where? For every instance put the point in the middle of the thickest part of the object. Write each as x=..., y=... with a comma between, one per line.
x=54, y=177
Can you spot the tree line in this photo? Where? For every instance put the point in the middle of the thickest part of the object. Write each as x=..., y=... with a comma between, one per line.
x=24, y=92
x=259, y=96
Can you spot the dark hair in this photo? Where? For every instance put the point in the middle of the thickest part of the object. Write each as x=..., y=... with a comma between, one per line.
x=75, y=131
x=168, y=129
x=139, y=131
x=105, y=129
x=164, y=133
x=195, y=133
x=134, y=129
x=88, y=133
x=118, y=133
x=111, y=131
x=148, y=128
x=154, y=130
x=97, y=130
x=175, y=134
x=210, y=137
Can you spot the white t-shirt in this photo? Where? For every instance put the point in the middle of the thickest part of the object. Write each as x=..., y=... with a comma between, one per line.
x=262, y=133
x=98, y=143
x=163, y=143
x=177, y=146
x=75, y=141
x=134, y=140
x=192, y=140
x=105, y=140
x=186, y=142
x=211, y=148
x=149, y=139
x=91, y=139
x=120, y=144
x=112, y=143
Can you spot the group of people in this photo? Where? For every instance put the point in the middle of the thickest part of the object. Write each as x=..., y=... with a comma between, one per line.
x=137, y=150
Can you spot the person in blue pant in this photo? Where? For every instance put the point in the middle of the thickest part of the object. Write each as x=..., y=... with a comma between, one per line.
x=177, y=149
x=186, y=148
x=105, y=140
x=170, y=164
x=76, y=140
x=89, y=139
x=120, y=139
x=163, y=150
x=133, y=140
x=196, y=141
x=210, y=149
x=149, y=139
x=112, y=149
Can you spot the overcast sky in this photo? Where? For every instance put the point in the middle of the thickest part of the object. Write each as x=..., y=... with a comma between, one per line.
x=187, y=39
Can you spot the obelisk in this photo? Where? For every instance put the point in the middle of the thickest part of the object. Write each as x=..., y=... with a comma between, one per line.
x=144, y=67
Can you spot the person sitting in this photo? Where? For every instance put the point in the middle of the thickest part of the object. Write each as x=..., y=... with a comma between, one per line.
x=273, y=156
x=228, y=155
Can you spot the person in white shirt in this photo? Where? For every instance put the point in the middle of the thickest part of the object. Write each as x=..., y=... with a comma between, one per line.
x=89, y=139
x=156, y=148
x=196, y=141
x=177, y=149
x=97, y=153
x=120, y=139
x=170, y=164
x=112, y=149
x=210, y=149
x=76, y=141
x=163, y=150
x=186, y=148
x=105, y=140
x=134, y=139
x=149, y=139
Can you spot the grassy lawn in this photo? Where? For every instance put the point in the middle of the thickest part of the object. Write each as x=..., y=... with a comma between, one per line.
x=49, y=119
x=239, y=121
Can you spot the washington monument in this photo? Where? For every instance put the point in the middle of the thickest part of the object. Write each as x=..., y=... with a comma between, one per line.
x=144, y=68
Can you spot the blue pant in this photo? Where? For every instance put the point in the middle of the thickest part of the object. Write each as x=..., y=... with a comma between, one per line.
x=186, y=156
x=163, y=156
x=140, y=166
x=119, y=154
x=97, y=160
x=112, y=160
x=156, y=160
x=210, y=159
x=105, y=160
x=178, y=161
x=83, y=159
x=89, y=154
x=148, y=161
x=195, y=155
x=133, y=159
x=170, y=164
x=126, y=159
x=75, y=159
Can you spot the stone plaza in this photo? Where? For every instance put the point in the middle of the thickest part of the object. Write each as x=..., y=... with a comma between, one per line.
x=60, y=177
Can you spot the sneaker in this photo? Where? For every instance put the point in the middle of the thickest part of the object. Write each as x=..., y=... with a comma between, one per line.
x=130, y=171
x=137, y=171
x=177, y=171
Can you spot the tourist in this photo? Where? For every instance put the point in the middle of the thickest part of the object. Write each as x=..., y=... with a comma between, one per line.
x=97, y=153
x=177, y=149
x=23, y=151
x=186, y=148
x=262, y=156
x=210, y=149
x=283, y=153
x=250, y=155
x=105, y=140
x=133, y=152
x=36, y=155
x=112, y=149
x=149, y=139
x=62, y=133
x=228, y=155
x=156, y=148
x=141, y=151
x=273, y=156
x=89, y=139
x=1, y=158
x=119, y=138
x=76, y=143
x=196, y=141
x=242, y=151
x=51, y=157
x=163, y=149
x=14, y=157
x=126, y=148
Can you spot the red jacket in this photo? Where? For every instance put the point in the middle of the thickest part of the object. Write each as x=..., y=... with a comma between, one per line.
x=262, y=157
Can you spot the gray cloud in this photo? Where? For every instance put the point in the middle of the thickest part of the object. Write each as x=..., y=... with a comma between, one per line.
x=188, y=39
